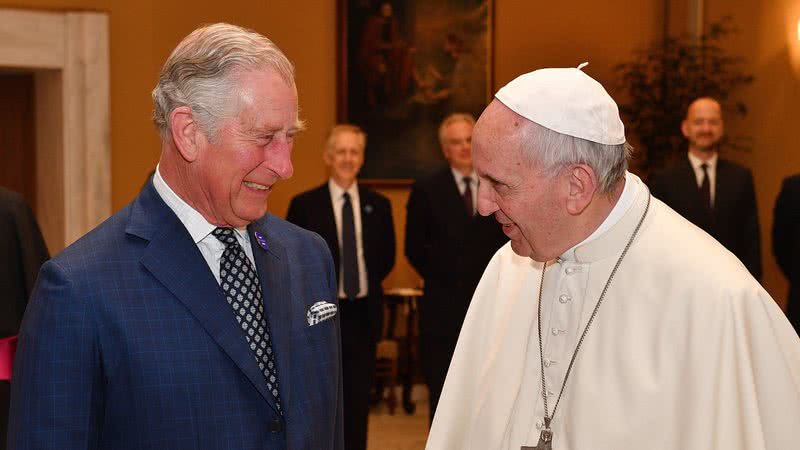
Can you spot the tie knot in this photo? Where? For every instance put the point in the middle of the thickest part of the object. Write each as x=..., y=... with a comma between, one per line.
x=467, y=181
x=704, y=166
x=346, y=196
x=225, y=235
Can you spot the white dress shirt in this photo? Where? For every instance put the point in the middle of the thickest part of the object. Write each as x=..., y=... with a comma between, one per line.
x=337, y=200
x=462, y=186
x=712, y=172
x=199, y=228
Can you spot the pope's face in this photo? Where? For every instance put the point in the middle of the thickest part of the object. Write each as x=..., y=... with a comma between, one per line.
x=457, y=145
x=703, y=126
x=523, y=198
x=345, y=156
x=252, y=152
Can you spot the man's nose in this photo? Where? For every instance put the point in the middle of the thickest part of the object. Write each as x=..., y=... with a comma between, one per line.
x=280, y=160
x=486, y=203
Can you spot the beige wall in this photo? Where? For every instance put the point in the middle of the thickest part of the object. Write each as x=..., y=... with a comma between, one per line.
x=768, y=40
x=527, y=36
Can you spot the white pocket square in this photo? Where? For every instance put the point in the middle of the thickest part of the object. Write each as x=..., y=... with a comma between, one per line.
x=319, y=312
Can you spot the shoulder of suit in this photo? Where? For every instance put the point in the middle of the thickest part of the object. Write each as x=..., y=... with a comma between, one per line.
x=369, y=194
x=435, y=180
x=10, y=201
x=311, y=193
x=726, y=164
x=792, y=181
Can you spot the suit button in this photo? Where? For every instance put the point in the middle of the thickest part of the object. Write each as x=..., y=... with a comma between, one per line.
x=275, y=426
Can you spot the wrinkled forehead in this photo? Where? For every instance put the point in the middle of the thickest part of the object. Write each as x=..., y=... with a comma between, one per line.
x=498, y=123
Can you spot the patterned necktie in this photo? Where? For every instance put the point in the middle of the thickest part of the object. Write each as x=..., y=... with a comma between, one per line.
x=705, y=187
x=239, y=281
x=468, y=196
x=349, y=254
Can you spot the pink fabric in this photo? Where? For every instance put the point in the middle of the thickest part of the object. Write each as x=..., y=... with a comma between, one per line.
x=8, y=347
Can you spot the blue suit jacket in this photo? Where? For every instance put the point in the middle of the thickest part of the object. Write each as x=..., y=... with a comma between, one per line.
x=129, y=343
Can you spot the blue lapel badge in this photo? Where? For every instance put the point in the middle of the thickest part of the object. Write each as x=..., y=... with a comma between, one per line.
x=262, y=242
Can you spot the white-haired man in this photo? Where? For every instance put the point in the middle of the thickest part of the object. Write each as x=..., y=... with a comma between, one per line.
x=191, y=318
x=609, y=321
x=356, y=222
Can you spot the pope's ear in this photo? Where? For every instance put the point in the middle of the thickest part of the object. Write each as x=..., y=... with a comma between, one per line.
x=582, y=184
x=185, y=133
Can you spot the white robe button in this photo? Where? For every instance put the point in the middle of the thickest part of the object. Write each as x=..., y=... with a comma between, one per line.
x=555, y=331
x=564, y=298
x=549, y=362
x=539, y=424
x=570, y=270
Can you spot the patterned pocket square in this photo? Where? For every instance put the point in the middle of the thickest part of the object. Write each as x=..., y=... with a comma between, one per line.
x=319, y=312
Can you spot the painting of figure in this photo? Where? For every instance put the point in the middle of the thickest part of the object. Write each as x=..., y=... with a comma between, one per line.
x=404, y=66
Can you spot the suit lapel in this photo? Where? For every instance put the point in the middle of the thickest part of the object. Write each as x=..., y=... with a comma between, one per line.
x=453, y=198
x=367, y=216
x=173, y=259
x=328, y=223
x=271, y=263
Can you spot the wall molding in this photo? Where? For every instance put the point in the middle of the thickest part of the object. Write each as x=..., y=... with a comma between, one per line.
x=68, y=53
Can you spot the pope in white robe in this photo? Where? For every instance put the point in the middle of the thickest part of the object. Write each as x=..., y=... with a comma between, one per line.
x=686, y=351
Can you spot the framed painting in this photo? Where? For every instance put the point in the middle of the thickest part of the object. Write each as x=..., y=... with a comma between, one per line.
x=404, y=65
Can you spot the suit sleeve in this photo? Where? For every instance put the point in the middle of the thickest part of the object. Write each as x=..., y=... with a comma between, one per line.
x=785, y=227
x=388, y=243
x=752, y=232
x=56, y=395
x=32, y=247
x=418, y=231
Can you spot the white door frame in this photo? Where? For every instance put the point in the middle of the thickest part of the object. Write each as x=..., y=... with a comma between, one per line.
x=68, y=53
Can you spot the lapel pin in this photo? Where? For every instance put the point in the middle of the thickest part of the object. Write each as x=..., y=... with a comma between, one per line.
x=261, y=240
x=367, y=208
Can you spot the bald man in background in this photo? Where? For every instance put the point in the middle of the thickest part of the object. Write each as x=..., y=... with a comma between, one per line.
x=713, y=193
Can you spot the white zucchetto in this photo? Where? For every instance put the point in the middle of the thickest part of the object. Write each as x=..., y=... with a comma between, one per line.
x=566, y=101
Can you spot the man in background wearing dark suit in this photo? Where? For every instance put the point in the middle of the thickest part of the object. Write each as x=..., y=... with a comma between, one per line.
x=786, y=243
x=192, y=318
x=449, y=245
x=715, y=194
x=357, y=225
x=22, y=253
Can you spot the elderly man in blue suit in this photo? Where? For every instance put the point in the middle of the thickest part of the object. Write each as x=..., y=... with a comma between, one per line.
x=191, y=319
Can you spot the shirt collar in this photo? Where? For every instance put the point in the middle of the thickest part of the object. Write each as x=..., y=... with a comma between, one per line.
x=607, y=237
x=337, y=192
x=197, y=226
x=696, y=162
x=459, y=177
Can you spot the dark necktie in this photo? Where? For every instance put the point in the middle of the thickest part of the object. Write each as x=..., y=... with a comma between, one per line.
x=468, y=196
x=705, y=187
x=239, y=281
x=349, y=255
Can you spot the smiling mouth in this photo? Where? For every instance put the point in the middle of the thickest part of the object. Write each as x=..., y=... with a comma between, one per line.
x=256, y=186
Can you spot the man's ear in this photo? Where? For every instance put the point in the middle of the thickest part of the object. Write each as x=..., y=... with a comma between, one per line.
x=185, y=133
x=685, y=129
x=582, y=184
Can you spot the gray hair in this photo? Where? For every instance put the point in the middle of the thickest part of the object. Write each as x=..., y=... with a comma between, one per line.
x=201, y=73
x=554, y=151
x=452, y=118
x=345, y=128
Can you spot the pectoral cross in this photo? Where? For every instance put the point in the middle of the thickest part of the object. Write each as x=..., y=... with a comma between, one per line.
x=545, y=442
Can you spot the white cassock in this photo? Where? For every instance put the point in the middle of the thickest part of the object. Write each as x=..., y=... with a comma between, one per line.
x=687, y=350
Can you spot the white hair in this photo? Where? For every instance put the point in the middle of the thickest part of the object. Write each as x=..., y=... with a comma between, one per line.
x=201, y=73
x=554, y=151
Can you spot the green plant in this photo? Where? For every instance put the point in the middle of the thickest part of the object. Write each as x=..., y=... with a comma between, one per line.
x=662, y=79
